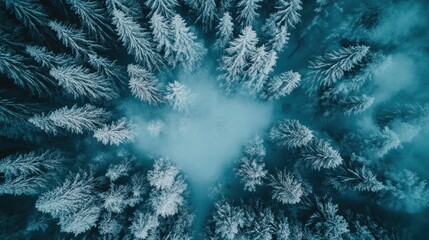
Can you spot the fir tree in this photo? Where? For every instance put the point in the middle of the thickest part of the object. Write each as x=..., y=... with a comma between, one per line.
x=12, y=111
x=93, y=18
x=80, y=82
x=114, y=172
x=354, y=104
x=114, y=134
x=115, y=199
x=287, y=13
x=132, y=8
x=75, y=119
x=279, y=38
x=25, y=185
x=290, y=134
x=155, y=127
x=48, y=58
x=358, y=179
x=32, y=163
x=229, y=220
x=31, y=13
x=251, y=173
x=207, y=13
x=281, y=85
x=73, y=38
x=107, y=68
x=179, y=96
x=224, y=31
x=326, y=221
x=255, y=149
x=144, y=225
x=74, y=193
x=144, y=85
x=319, y=154
x=137, y=41
x=187, y=52
x=380, y=143
x=283, y=230
x=329, y=68
x=163, y=36
x=262, y=64
x=162, y=7
x=81, y=221
x=166, y=202
x=247, y=11
x=286, y=188
x=163, y=174
x=405, y=191
x=260, y=223
x=22, y=75
x=236, y=58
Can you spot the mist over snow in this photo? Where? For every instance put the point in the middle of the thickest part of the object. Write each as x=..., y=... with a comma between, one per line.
x=209, y=136
x=214, y=119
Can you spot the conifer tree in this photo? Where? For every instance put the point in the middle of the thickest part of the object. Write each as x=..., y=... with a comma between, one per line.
x=144, y=85
x=81, y=221
x=163, y=174
x=75, y=119
x=354, y=104
x=236, y=58
x=326, y=221
x=132, y=8
x=261, y=65
x=106, y=68
x=32, y=163
x=137, y=41
x=74, y=193
x=251, y=173
x=93, y=17
x=287, y=13
x=260, y=223
x=224, y=31
x=286, y=188
x=358, y=179
x=73, y=38
x=319, y=154
x=290, y=134
x=207, y=13
x=115, y=133
x=115, y=171
x=80, y=82
x=74, y=203
x=187, y=51
x=179, y=96
x=329, y=68
x=278, y=38
x=281, y=85
x=229, y=220
x=24, y=76
x=163, y=36
x=25, y=184
x=255, y=149
x=166, y=202
x=405, y=191
x=247, y=11
x=115, y=200
x=48, y=58
x=155, y=127
x=12, y=111
x=31, y=13
x=144, y=225
x=162, y=7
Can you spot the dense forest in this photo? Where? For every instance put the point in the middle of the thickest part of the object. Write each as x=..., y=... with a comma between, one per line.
x=214, y=119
